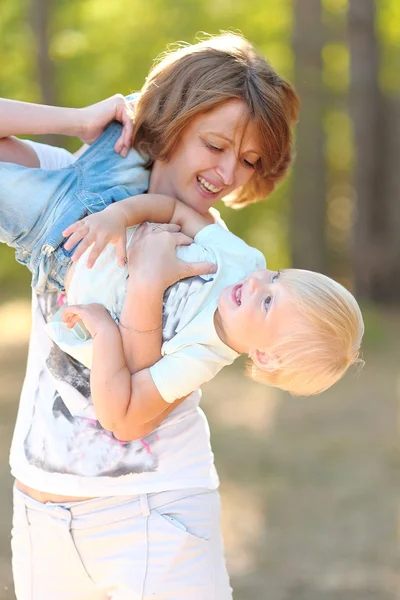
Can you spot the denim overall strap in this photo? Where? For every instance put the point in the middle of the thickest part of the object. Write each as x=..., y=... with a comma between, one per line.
x=101, y=177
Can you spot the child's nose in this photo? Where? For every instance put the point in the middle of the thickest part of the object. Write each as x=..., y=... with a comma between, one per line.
x=253, y=284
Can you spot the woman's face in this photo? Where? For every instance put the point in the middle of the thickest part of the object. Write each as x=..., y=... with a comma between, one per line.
x=216, y=155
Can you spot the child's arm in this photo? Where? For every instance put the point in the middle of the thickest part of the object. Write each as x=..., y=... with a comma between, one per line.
x=109, y=225
x=126, y=400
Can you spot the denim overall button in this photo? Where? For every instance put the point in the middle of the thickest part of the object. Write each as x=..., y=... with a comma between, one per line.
x=47, y=249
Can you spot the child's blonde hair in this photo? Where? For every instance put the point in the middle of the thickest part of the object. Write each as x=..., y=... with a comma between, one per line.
x=194, y=79
x=326, y=337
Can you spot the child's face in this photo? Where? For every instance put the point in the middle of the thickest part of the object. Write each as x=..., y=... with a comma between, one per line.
x=215, y=156
x=256, y=311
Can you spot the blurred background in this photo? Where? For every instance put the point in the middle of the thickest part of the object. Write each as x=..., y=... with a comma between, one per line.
x=310, y=487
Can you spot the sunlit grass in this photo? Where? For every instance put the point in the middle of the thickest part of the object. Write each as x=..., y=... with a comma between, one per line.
x=15, y=322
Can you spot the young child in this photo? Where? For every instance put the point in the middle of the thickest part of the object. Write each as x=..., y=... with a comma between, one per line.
x=301, y=329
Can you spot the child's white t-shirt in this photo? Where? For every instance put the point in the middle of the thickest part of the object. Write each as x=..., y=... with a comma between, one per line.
x=192, y=352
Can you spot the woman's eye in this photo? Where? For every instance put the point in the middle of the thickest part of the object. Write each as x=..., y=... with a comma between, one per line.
x=249, y=164
x=212, y=147
x=267, y=302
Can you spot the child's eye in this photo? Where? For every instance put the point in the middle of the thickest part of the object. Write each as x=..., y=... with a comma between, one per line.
x=268, y=302
x=275, y=277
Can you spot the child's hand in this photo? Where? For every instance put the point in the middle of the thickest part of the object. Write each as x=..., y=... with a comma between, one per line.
x=98, y=229
x=94, y=119
x=152, y=256
x=93, y=316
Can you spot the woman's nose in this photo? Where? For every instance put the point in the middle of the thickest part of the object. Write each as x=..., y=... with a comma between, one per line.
x=227, y=168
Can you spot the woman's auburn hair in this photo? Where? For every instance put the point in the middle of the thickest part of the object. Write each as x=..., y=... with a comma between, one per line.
x=193, y=79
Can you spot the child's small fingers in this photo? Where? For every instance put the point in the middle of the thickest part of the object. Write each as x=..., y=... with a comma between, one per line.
x=73, y=321
x=71, y=229
x=72, y=241
x=121, y=252
x=70, y=318
x=94, y=254
x=75, y=238
x=84, y=245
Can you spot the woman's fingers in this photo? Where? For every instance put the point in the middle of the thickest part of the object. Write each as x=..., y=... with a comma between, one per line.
x=197, y=268
x=181, y=239
x=124, y=142
x=169, y=227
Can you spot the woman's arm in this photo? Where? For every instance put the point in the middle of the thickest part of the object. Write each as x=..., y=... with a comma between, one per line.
x=25, y=118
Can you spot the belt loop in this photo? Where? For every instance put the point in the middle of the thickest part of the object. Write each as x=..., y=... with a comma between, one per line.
x=144, y=505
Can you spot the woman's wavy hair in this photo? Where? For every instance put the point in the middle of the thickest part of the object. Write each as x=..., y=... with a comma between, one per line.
x=190, y=80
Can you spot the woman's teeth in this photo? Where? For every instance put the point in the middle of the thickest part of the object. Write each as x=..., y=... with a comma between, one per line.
x=208, y=187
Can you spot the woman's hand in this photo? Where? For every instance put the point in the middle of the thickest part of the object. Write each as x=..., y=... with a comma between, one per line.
x=152, y=256
x=99, y=229
x=93, y=316
x=95, y=117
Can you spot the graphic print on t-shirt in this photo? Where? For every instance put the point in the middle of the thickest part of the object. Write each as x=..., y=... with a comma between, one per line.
x=61, y=440
x=176, y=304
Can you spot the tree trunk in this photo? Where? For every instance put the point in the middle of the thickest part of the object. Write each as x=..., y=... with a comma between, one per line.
x=377, y=133
x=364, y=105
x=40, y=11
x=309, y=189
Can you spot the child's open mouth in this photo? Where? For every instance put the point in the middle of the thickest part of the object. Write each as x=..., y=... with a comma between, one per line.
x=237, y=294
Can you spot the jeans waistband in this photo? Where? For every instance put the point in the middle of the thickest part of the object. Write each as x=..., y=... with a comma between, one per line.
x=100, y=511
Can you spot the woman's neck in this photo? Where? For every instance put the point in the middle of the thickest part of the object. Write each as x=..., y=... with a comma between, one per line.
x=159, y=181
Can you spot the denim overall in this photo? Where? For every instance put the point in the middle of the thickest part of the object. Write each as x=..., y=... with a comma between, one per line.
x=36, y=205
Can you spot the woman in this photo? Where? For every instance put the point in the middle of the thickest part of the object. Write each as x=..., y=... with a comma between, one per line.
x=93, y=517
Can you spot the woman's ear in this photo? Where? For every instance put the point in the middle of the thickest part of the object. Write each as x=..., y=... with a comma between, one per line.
x=264, y=361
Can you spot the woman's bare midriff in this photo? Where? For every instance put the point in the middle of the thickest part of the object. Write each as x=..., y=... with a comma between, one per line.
x=45, y=497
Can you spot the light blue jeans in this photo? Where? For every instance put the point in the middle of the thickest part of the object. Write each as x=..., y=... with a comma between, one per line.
x=36, y=205
x=160, y=546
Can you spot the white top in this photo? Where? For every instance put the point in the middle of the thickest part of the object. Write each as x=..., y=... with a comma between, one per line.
x=50, y=157
x=192, y=352
x=57, y=449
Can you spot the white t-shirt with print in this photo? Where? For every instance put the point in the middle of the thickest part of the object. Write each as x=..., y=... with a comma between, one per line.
x=57, y=448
